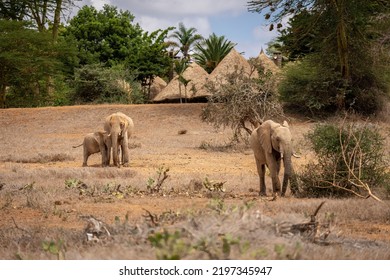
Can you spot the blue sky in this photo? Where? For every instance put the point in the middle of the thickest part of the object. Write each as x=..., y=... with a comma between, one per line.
x=223, y=17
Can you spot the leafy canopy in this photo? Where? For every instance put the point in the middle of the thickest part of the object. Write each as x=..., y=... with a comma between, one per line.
x=106, y=36
x=26, y=56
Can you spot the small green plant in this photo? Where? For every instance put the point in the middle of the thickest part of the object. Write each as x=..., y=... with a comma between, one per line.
x=56, y=248
x=78, y=185
x=217, y=205
x=169, y=246
x=222, y=247
x=155, y=185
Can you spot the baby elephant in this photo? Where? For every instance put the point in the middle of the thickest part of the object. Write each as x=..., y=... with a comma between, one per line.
x=94, y=143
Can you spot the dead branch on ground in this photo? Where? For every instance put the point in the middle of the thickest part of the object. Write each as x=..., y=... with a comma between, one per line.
x=309, y=230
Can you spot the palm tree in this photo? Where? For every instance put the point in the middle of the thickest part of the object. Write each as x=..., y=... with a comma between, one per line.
x=211, y=51
x=179, y=67
x=186, y=38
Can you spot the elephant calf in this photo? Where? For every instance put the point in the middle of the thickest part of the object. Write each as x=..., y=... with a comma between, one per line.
x=271, y=143
x=94, y=143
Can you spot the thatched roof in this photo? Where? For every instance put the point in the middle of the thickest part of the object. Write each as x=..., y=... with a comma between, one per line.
x=197, y=76
x=157, y=86
x=267, y=62
x=232, y=61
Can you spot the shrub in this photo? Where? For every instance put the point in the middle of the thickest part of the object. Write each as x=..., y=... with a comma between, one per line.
x=312, y=86
x=305, y=88
x=98, y=84
x=350, y=161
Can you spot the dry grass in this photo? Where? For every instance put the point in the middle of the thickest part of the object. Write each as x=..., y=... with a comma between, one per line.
x=45, y=194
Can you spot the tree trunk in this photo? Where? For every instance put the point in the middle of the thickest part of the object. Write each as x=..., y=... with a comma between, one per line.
x=57, y=19
x=342, y=48
x=3, y=91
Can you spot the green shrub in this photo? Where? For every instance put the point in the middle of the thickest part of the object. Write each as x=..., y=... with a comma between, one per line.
x=350, y=161
x=311, y=86
x=98, y=84
x=306, y=88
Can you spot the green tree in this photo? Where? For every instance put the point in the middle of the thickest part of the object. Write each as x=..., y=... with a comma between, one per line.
x=13, y=9
x=338, y=32
x=181, y=66
x=149, y=58
x=210, y=52
x=106, y=36
x=44, y=14
x=186, y=38
x=27, y=57
x=297, y=41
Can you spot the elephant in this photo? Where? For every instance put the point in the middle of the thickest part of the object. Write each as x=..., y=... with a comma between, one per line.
x=271, y=143
x=120, y=128
x=96, y=142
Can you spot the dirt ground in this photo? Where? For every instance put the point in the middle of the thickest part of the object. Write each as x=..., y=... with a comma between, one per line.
x=36, y=152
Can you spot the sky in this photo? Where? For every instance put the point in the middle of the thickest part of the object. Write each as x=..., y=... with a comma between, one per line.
x=229, y=18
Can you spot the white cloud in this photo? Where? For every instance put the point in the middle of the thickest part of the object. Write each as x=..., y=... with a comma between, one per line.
x=150, y=23
x=98, y=4
x=182, y=8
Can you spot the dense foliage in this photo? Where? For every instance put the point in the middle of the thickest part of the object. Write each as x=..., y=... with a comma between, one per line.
x=340, y=37
x=106, y=36
x=29, y=60
x=94, y=83
x=350, y=161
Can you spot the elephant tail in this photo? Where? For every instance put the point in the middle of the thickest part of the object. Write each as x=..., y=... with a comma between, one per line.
x=78, y=145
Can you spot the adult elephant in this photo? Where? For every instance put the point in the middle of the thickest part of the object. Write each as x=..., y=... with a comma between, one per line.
x=271, y=143
x=120, y=128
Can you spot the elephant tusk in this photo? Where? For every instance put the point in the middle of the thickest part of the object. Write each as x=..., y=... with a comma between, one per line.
x=296, y=156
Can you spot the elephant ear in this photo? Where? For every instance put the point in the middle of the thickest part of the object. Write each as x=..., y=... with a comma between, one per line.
x=265, y=137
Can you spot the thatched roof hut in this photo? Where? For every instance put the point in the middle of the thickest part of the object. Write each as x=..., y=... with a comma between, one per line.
x=157, y=86
x=195, y=88
x=233, y=61
x=267, y=62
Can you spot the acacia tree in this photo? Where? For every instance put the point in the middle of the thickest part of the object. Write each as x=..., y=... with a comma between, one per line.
x=27, y=57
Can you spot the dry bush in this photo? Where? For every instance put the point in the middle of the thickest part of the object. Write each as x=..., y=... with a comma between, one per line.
x=241, y=100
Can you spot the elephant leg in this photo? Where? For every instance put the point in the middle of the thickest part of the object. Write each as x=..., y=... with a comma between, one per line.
x=104, y=152
x=125, y=152
x=85, y=155
x=261, y=173
x=275, y=179
x=275, y=184
x=274, y=166
x=263, y=188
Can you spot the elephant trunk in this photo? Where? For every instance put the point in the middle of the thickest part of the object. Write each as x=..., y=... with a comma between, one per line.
x=287, y=169
x=114, y=143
